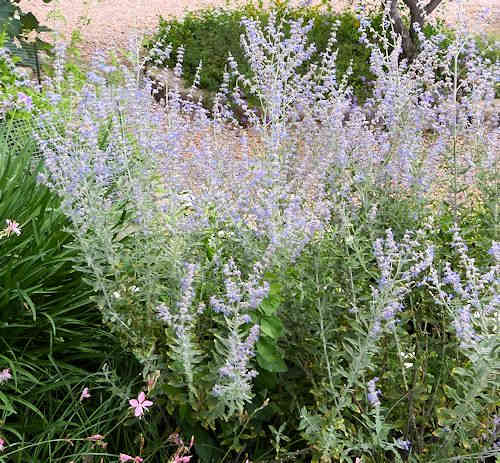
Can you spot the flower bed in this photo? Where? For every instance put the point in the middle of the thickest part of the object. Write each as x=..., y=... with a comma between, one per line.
x=306, y=296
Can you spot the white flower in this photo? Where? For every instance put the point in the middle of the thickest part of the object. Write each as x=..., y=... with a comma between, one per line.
x=12, y=227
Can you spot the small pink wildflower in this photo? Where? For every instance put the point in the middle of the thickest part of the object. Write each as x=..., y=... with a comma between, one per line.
x=12, y=227
x=85, y=394
x=140, y=405
x=5, y=375
x=124, y=457
x=2, y=445
x=185, y=459
x=95, y=437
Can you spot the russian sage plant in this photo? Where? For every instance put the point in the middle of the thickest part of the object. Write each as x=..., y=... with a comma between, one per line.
x=191, y=228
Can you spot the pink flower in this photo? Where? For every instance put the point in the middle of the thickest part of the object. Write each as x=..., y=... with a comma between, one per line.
x=182, y=459
x=140, y=405
x=85, y=394
x=5, y=375
x=12, y=227
x=124, y=457
x=95, y=437
x=2, y=445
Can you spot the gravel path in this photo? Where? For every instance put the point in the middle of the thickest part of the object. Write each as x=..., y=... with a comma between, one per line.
x=110, y=22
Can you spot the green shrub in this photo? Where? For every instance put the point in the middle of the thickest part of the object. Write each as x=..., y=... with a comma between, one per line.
x=180, y=235
x=19, y=25
x=210, y=35
x=195, y=236
x=51, y=336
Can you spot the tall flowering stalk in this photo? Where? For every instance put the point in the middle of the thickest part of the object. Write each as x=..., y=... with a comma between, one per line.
x=125, y=170
x=398, y=266
x=182, y=322
x=234, y=386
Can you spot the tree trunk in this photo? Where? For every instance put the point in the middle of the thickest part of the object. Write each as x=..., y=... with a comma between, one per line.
x=418, y=15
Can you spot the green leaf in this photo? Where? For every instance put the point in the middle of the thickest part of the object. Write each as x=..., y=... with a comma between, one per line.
x=270, y=305
x=269, y=357
x=460, y=372
x=206, y=447
x=30, y=406
x=7, y=404
x=272, y=327
x=29, y=22
x=13, y=27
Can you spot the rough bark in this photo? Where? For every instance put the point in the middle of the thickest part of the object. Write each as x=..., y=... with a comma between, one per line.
x=418, y=15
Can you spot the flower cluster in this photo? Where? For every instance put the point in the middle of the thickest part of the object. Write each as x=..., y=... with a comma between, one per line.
x=182, y=453
x=471, y=296
x=400, y=265
x=373, y=394
x=5, y=375
x=15, y=86
x=183, y=322
x=235, y=376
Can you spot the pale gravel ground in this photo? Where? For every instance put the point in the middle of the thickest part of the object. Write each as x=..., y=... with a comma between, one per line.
x=104, y=23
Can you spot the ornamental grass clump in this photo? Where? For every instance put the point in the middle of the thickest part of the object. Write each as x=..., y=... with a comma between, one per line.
x=300, y=272
x=53, y=345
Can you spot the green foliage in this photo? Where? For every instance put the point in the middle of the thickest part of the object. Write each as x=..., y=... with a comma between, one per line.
x=20, y=99
x=7, y=74
x=316, y=352
x=209, y=35
x=51, y=336
x=422, y=360
x=16, y=97
x=18, y=24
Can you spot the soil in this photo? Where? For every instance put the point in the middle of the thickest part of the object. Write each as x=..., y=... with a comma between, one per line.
x=105, y=23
